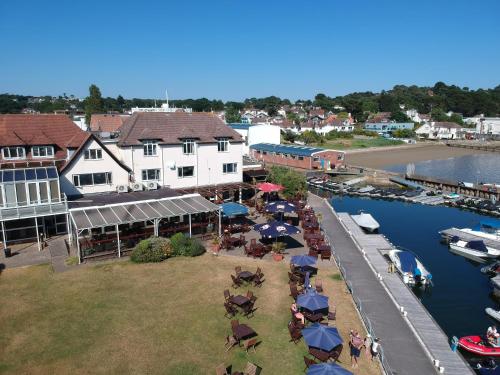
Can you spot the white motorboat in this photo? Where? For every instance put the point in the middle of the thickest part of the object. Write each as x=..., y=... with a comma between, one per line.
x=366, y=221
x=493, y=313
x=476, y=249
x=410, y=267
x=487, y=228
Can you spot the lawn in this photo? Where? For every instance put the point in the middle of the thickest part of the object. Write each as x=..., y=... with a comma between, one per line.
x=165, y=318
x=354, y=143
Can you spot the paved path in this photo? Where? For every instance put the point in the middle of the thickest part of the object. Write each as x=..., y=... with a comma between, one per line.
x=402, y=351
x=58, y=254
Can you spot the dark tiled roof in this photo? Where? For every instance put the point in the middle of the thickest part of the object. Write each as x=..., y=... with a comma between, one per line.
x=446, y=124
x=171, y=128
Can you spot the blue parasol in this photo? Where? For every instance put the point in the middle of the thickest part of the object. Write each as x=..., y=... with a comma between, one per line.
x=327, y=369
x=322, y=337
x=303, y=260
x=280, y=206
x=275, y=229
x=312, y=301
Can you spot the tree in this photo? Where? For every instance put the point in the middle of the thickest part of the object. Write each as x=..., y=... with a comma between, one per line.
x=438, y=114
x=120, y=101
x=403, y=133
x=293, y=182
x=93, y=103
x=310, y=136
x=232, y=115
x=399, y=116
x=289, y=136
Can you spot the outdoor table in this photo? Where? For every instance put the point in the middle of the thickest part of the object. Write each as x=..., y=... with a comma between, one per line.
x=239, y=300
x=324, y=247
x=233, y=240
x=246, y=275
x=314, y=318
x=313, y=236
x=319, y=354
x=242, y=331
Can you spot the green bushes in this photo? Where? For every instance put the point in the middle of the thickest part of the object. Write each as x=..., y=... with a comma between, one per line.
x=151, y=250
x=185, y=246
x=157, y=249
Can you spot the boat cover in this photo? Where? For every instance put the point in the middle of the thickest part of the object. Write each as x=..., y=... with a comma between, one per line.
x=408, y=261
x=477, y=245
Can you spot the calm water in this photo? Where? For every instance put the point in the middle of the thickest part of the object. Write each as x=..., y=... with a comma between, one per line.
x=460, y=292
x=469, y=168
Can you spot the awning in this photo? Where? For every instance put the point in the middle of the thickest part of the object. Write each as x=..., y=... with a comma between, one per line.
x=131, y=212
x=231, y=209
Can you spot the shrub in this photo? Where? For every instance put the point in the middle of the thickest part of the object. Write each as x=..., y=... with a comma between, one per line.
x=185, y=246
x=150, y=250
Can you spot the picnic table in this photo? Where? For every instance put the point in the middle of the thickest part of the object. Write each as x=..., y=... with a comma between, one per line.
x=324, y=247
x=313, y=236
x=314, y=318
x=246, y=275
x=232, y=241
x=310, y=225
x=242, y=331
x=239, y=300
x=319, y=354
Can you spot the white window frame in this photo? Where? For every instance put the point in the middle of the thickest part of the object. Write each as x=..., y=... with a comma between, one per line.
x=156, y=172
x=188, y=144
x=223, y=144
x=150, y=148
x=93, y=154
x=181, y=175
x=234, y=168
x=7, y=156
x=108, y=177
x=49, y=152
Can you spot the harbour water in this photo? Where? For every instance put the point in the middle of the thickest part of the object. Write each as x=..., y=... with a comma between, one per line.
x=470, y=168
x=460, y=292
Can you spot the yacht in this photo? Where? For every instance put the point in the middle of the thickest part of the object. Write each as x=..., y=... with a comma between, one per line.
x=410, y=267
x=366, y=222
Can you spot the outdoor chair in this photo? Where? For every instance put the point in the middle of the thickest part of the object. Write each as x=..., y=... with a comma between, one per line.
x=248, y=251
x=258, y=253
x=251, y=369
x=259, y=272
x=230, y=310
x=253, y=299
x=236, y=282
x=253, y=242
x=221, y=370
x=296, y=322
x=249, y=294
x=237, y=269
x=230, y=342
x=335, y=353
x=257, y=281
x=295, y=335
x=227, y=295
x=313, y=253
x=309, y=362
x=234, y=323
x=326, y=255
x=250, y=344
x=332, y=315
x=318, y=284
x=248, y=310
x=243, y=240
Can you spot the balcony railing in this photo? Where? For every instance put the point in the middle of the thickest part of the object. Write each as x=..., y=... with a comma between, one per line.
x=41, y=209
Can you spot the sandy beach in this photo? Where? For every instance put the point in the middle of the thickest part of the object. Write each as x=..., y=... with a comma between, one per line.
x=381, y=157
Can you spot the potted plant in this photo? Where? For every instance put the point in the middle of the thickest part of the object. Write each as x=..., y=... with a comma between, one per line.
x=215, y=244
x=277, y=249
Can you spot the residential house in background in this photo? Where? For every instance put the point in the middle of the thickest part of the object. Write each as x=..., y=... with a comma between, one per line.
x=386, y=128
x=180, y=150
x=485, y=125
x=338, y=125
x=303, y=157
x=440, y=130
x=253, y=134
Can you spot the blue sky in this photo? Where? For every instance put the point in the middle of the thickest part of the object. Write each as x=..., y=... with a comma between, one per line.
x=237, y=49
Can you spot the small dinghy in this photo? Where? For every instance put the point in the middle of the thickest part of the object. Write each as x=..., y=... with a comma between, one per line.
x=475, y=249
x=366, y=222
x=493, y=313
x=492, y=269
x=410, y=267
x=478, y=345
x=488, y=366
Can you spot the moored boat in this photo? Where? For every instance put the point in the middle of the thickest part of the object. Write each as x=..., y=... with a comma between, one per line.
x=492, y=269
x=410, y=267
x=478, y=345
x=366, y=221
x=476, y=248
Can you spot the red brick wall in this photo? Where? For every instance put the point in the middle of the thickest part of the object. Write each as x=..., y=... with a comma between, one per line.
x=306, y=163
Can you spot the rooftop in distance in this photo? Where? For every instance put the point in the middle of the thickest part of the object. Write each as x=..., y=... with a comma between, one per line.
x=288, y=149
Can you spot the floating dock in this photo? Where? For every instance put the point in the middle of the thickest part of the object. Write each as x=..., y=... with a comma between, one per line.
x=447, y=234
x=411, y=341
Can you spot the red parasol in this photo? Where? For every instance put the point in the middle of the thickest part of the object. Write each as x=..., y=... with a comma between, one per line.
x=268, y=187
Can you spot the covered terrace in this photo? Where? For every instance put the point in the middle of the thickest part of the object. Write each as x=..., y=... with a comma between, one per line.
x=114, y=229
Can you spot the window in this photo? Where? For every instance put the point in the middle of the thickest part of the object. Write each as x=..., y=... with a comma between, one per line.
x=93, y=154
x=185, y=172
x=316, y=158
x=264, y=152
x=13, y=153
x=90, y=179
x=149, y=148
x=150, y=174
x=229, y=168
x=301, y=158
x=222, y=145
x=188, y=146
x=340, y=157
x=42, y=151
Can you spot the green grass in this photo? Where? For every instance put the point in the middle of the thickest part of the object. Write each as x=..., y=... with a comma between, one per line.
x=71, y=261
x=345, y=144
x=165, y=318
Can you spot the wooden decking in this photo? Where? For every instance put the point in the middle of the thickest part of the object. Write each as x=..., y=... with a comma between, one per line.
x=452, y=232
x=425, y=329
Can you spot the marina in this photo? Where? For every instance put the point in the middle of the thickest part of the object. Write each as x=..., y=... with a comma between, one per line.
x=418, y=322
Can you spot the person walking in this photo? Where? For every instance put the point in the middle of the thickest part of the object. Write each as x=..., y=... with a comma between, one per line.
x=355, y=344
x=367, y=343
x=375, y=348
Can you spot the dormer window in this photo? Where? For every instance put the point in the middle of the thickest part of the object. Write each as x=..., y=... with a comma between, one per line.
x=42, y=151
x=14, y=153
x=222, y=144
x=188, y=146
x=149, y=148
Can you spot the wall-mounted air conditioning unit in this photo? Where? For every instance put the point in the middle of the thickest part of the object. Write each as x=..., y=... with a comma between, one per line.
x=152, y=185
x=136, y=186
x=122, y=188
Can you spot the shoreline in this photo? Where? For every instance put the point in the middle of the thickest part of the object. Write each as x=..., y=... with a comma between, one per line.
x=379, y=158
